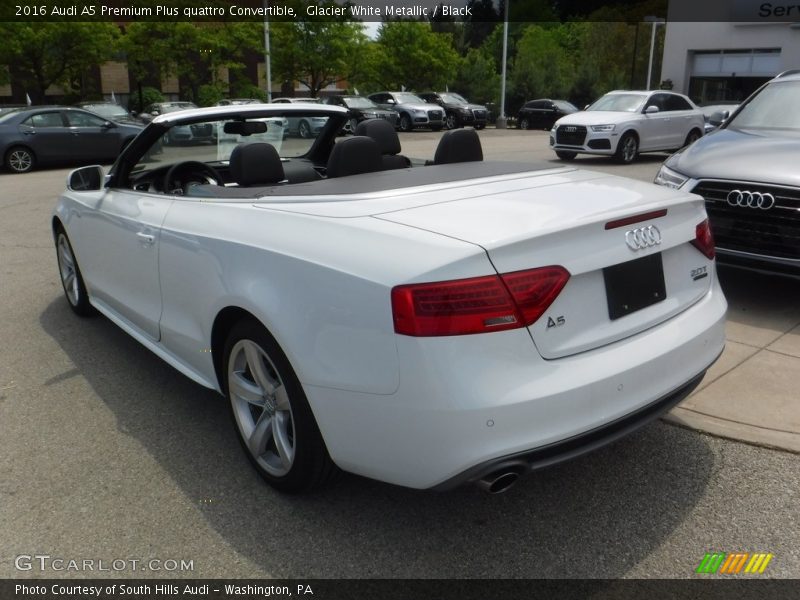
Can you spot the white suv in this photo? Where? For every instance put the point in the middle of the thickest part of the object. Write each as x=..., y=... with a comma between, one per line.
x=624, y=123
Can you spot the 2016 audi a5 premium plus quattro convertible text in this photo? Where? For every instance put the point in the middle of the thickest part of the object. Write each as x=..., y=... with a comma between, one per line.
x=425, y=325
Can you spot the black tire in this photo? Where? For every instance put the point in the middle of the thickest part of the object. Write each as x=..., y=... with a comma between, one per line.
x=524, y=123
x=405, y=123
x=627, y=148
x=451, y=121
x=480, y=126
x=71, y=277
x=566, y=155
x=693, y=136
x=304, y=130
x=310, y=466
x=20, y=159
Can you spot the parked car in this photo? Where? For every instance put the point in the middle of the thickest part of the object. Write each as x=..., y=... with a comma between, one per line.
x=196, y=133
x=512, y=342
x=306, y=126
x=110, y=111
x=361, y=109
x=543, y=114
x=413, y=111
x=458, y=111
x=747, y=173
x=624, y=123
x=59, y=134
x=715, y=114
x=238, y=101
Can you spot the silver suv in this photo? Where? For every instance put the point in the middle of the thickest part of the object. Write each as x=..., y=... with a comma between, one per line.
x=414, y=111
x=747, y=172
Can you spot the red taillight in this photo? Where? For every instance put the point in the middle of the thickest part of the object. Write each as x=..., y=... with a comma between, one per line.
x=476, y=305
x=704, y=240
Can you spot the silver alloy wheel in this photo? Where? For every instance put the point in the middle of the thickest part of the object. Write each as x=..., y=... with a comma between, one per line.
x=20, y=160
x=304, y=130
x=450, y=121
x=629, y=148
x=261, y=407
x=69, y=274
x=524, y=124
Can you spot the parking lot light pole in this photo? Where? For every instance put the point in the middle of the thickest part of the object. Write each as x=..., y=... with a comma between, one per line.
x=501, y=120
x=267, y=65
x=655, y=22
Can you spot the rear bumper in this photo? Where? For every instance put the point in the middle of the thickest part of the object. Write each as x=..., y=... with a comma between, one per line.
x=466, y=404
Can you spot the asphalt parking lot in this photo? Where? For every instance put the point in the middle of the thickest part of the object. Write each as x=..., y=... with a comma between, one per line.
x=106, y=453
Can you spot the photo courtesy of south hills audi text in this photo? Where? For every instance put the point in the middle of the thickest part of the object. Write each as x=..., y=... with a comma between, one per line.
x=151, y=590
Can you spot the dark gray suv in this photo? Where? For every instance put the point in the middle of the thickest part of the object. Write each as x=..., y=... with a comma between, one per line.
x=747, y=172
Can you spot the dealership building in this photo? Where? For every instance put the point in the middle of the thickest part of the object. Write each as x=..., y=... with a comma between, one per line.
x=729, y=58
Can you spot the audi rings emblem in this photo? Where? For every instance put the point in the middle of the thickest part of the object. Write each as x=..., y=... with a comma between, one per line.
x=643, y=237
x=748, y=199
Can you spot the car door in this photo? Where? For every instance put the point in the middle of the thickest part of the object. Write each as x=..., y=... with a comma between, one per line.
x=655, y=127
x=47, y=135
x=123, y=228
x=680, y=120
x=93, y=138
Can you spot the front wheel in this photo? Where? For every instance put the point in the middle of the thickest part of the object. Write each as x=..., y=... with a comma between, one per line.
x=405, y=123
x=480, y=126
x=273, y=419
x=304, y=130
x=524, y=123
x=564, y=155
x=20, y=159
x=451, y=122
x=628, y=148
x=71, y=278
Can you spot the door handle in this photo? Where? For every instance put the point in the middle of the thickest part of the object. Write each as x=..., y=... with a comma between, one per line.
x=146, y=238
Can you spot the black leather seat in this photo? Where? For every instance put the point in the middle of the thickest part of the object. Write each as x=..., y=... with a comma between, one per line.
x=386, y=137
x=458, y=145
x=257, y=163
x=355, y=155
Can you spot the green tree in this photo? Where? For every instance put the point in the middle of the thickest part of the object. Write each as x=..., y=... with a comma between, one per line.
x=43, y=54
x=540, y=68
x=410, y=54
x=477, y=78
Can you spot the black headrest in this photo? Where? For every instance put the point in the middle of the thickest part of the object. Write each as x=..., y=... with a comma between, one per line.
x=354, y=155
x=256, y=163
x=458, y=145
x=382, y=132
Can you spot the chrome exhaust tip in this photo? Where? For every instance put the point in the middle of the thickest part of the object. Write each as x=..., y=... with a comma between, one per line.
x=498, y=482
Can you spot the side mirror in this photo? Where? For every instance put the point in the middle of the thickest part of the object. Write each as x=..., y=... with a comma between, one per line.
x=390, y=101
x=134, y=113
x=650, y=110
x=86, y=179
x=108, y=125
x=586, y=107
x=719, y=117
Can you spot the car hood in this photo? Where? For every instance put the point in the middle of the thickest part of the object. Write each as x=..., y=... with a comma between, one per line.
x=598, y=117
x=416, y=106
x=741, y=155
x=476, y=107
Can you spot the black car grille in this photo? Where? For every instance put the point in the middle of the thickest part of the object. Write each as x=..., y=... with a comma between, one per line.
x=202, y=130
x=772, y=232
x=571, y=135
x=435, y=115
x=479, y=114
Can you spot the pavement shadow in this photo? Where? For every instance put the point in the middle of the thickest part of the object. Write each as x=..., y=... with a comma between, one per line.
x=596, y=516
x=757, y=299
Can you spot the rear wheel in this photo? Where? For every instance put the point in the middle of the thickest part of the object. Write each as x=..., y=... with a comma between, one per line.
x=20, y=159
x=565, y=155
x=405, y=123
x=628, y=148
x=71, y=278
x=693, y=136
x=273, y=419
x=304, y=130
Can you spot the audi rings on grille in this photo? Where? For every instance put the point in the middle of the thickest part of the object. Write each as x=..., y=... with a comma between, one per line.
x=746, y=198
x=643, y=237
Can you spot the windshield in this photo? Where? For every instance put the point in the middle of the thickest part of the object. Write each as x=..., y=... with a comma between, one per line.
x=359, y=103
x=209, y=143
x=7, y=113
x=619, y=102
x=109, y=111
x=565, y=106
x=406, y=98
x=777, y=106
x=451, y=98
x=176, y=107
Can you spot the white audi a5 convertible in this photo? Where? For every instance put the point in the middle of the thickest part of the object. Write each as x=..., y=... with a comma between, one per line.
x=424, y=323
